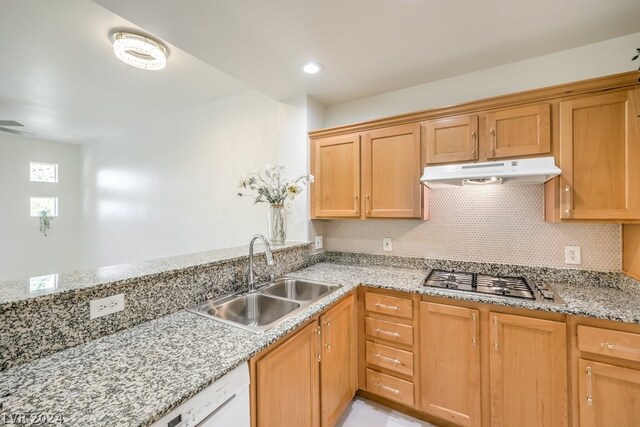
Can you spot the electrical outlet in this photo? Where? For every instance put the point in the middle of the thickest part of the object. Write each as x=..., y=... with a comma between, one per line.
x=319, y=243
x=572, y=255
x=387, y=246
x=104, y=306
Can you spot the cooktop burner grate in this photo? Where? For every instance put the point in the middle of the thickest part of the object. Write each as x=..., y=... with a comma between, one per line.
x=506, y=286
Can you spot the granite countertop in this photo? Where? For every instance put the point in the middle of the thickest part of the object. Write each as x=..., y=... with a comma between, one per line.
x=40, y=286
x=133, y=377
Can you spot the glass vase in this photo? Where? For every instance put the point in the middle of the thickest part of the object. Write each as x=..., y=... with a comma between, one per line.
x=277, y=224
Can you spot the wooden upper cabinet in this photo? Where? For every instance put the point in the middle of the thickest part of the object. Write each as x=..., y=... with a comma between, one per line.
x=450, y=366
x=335, y=165
x=608, y=395
x=391, y=169
x=338, y=366
x=599, y=157
x=287, y=382
x=521, y=131
x=452, y=139
x=528, y=371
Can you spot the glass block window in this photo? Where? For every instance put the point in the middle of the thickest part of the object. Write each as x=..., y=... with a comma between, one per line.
x=40, y=204
x=41, y=283
x=43, y=172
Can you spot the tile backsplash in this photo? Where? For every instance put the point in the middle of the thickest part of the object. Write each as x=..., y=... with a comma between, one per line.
x=497, y=224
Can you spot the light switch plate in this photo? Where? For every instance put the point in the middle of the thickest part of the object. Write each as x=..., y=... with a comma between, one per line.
x=104, y=306
x=387, y=246
x=319, y=243
x=572, y=255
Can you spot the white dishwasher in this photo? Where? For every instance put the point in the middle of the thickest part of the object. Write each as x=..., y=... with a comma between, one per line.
x=223, y=403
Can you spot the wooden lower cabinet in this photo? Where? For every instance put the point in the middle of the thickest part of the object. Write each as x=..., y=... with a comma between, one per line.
x=605, y=371
x=528, y=371
x=466, y=364
x=609, y=395
x=287, y=383
x=450, y=367
x=338, y=363
x=309, y=378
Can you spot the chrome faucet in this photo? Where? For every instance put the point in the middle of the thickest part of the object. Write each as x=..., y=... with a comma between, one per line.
x=251, y=279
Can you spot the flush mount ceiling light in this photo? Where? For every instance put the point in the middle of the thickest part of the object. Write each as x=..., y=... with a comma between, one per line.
x=139, y=51
x=311, y=67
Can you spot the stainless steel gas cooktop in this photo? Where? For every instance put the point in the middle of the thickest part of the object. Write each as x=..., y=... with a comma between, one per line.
x=504, y=286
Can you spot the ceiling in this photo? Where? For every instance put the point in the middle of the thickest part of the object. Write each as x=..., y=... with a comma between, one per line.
x=372, y=46
x=60, y=78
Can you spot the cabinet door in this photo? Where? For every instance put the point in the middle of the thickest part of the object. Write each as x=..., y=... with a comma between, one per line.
x=450, y=368
x=599, y=156
x=452, y=139
x=522, y=131
x=336, y=168
x=609, y=395
x=339, y=360
x=528, y=372
x=287, y=380
x=391, y=185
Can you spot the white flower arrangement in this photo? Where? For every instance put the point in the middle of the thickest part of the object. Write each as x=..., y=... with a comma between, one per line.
x=273, y=188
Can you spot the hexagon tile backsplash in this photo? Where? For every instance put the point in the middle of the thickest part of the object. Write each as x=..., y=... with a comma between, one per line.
x=497, y=224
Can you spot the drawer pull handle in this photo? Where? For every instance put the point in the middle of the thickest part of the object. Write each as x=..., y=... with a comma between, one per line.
x=388, y=359
x=609, y=346
x=382, y=331
x=387, y=307
x=387, y=388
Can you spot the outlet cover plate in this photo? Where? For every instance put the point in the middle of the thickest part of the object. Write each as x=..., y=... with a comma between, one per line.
x=104, y=306
x=319, y=242
x=387, y=246
x=572, y=255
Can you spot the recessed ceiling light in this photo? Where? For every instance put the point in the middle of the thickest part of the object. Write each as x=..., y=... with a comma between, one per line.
x=139, y=51
x=311, y=67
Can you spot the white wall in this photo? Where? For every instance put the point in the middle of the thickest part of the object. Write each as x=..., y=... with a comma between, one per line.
x=594, y=60
x=169, y=187
x=24, y=250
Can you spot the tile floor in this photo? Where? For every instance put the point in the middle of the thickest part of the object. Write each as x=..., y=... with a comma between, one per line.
x=365, y=413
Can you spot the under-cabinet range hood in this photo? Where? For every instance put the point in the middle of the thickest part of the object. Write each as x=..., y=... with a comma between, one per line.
x=509, y=172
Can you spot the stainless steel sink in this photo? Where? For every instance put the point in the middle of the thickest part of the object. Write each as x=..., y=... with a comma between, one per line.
x=253, y=311
x=298, y=290
x=265, y=308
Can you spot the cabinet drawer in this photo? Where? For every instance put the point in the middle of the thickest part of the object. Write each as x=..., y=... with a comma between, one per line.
x=385, y=304
x=390, y=358
x=390, y=387
x=623, y=345
x=395, y=332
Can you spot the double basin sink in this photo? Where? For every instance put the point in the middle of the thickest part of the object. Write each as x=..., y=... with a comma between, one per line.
x=268, y=306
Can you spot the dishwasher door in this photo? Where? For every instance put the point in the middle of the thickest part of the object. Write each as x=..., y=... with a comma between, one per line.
x=225, y=403
x=234, y=412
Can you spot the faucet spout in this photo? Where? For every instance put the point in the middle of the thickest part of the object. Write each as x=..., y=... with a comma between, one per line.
x=251, y=280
